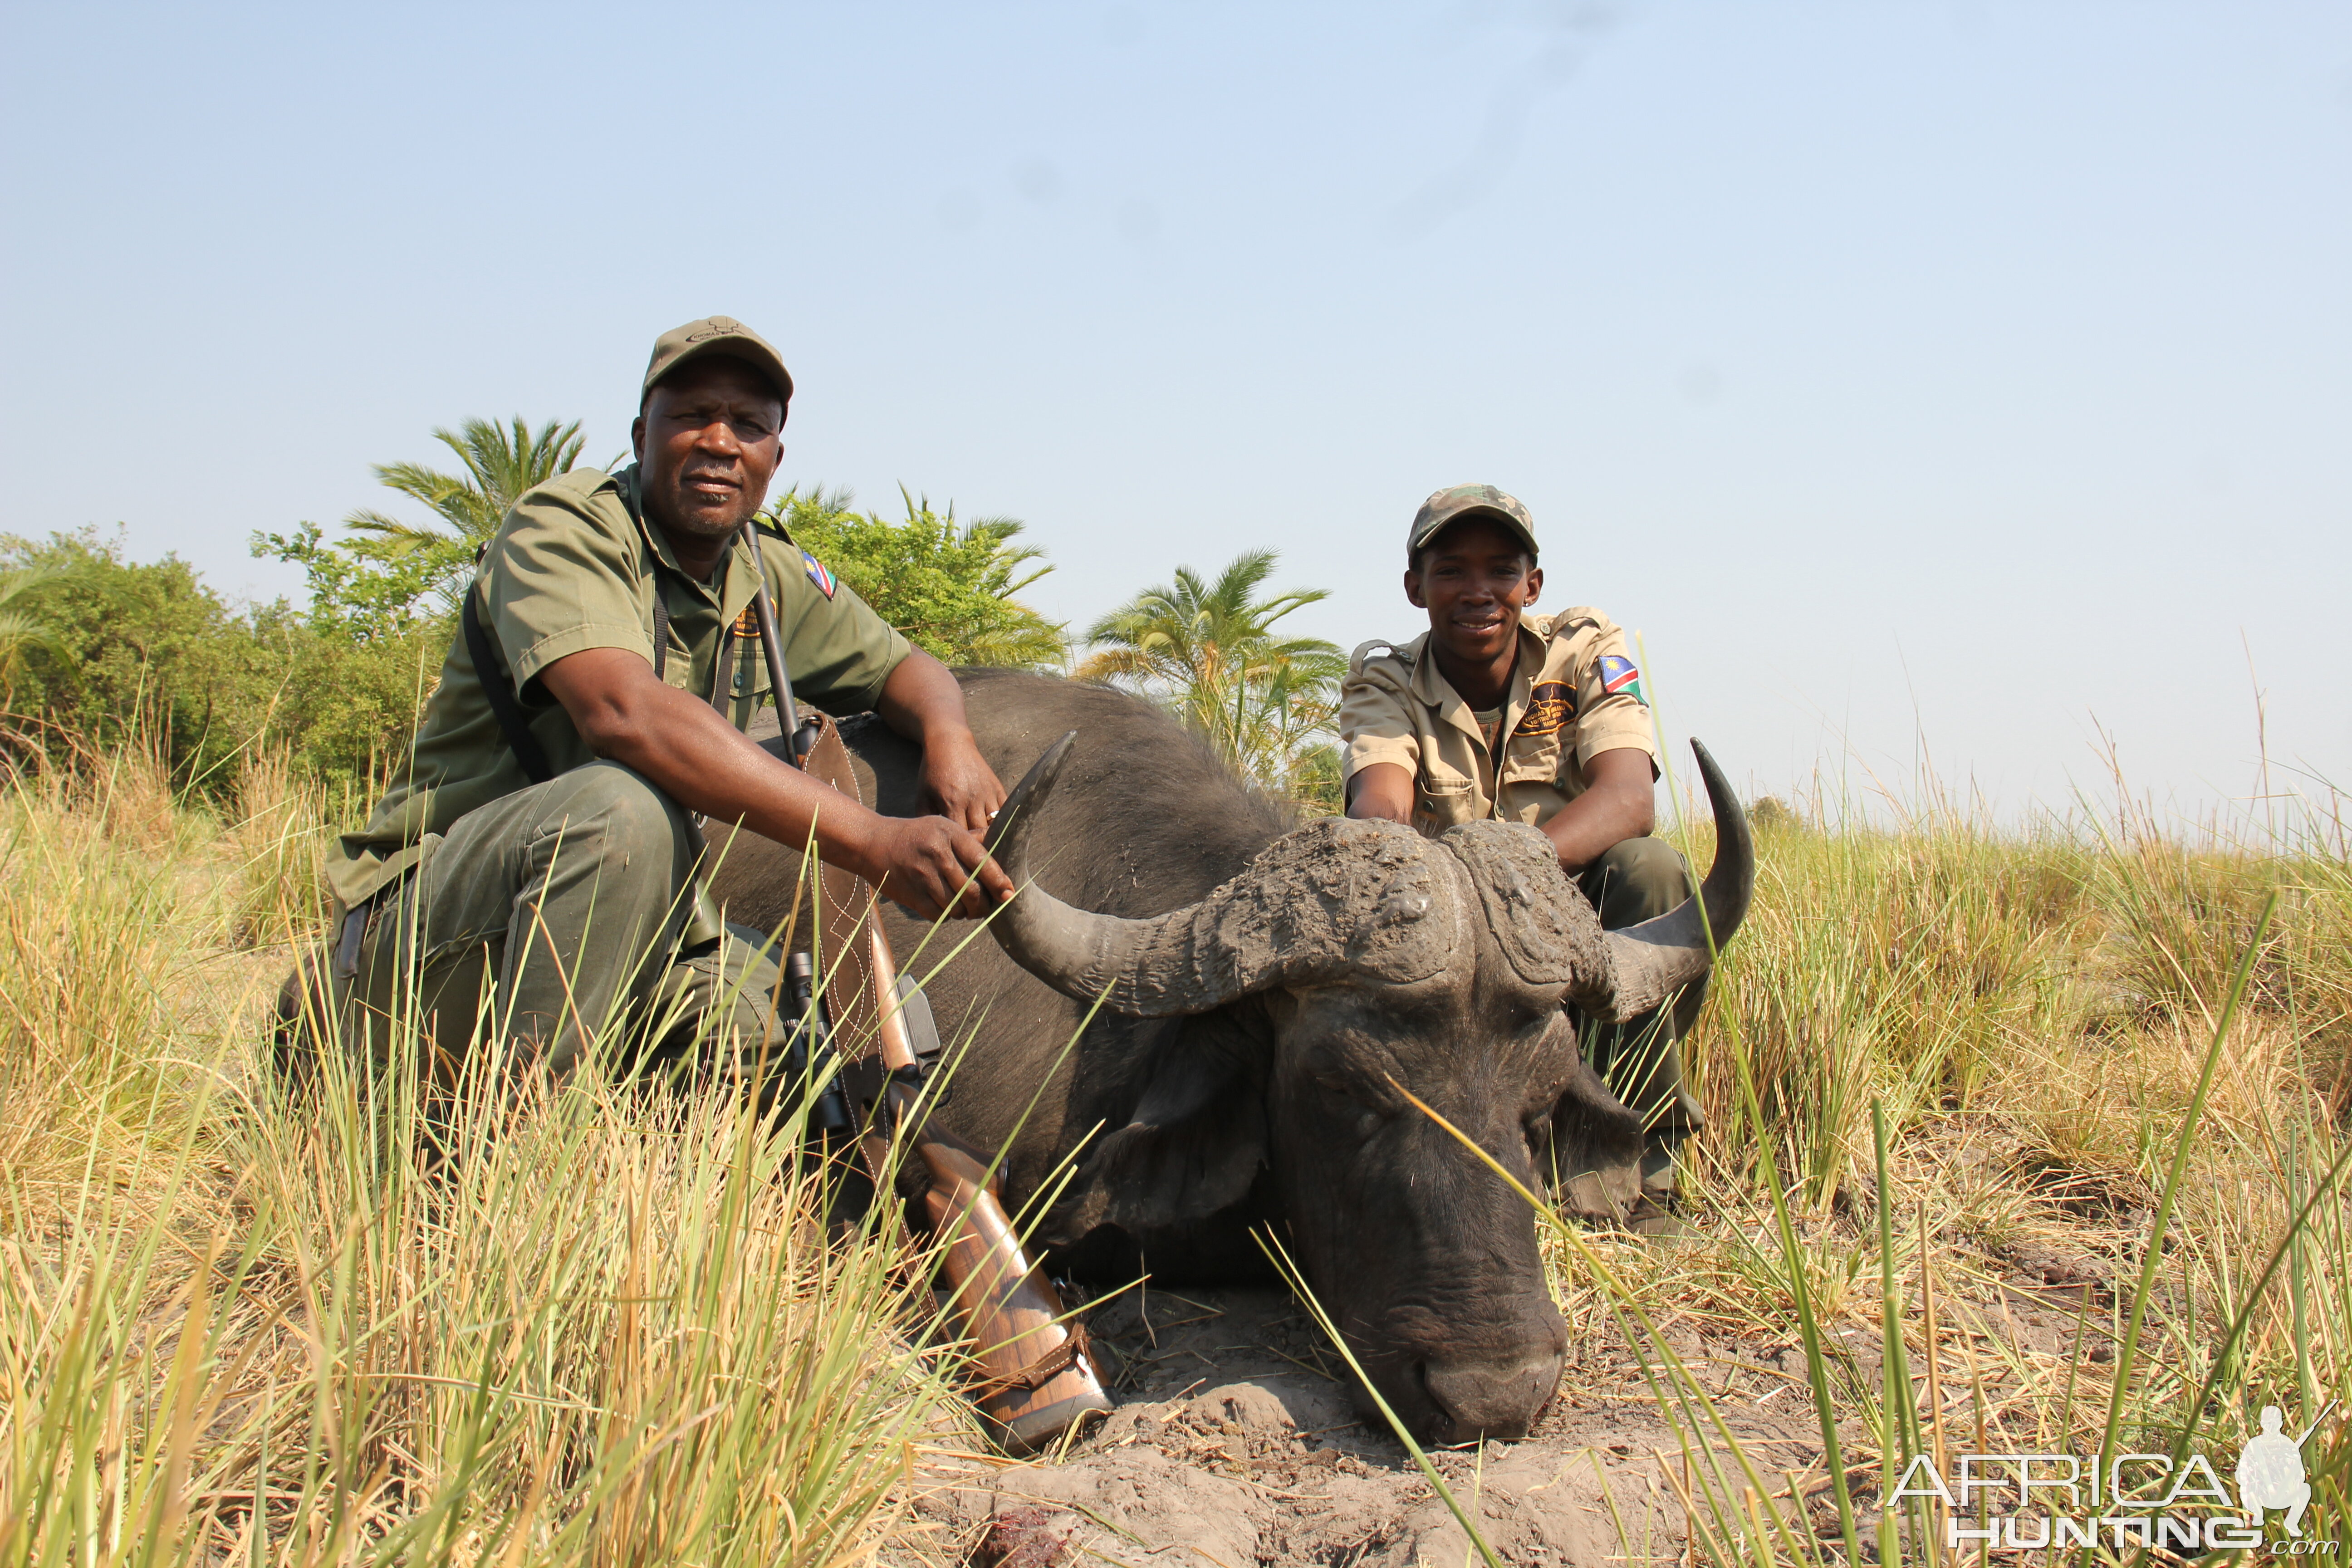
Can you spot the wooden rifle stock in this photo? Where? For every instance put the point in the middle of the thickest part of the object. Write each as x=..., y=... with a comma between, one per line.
x=1039, y=1380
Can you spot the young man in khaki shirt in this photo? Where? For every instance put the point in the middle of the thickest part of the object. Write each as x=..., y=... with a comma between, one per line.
x=1496, y=712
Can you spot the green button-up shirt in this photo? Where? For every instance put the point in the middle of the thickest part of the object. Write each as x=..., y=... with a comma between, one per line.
x=574, y=567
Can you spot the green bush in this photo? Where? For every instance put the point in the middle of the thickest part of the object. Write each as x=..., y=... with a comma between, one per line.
x=146, y=654
x=948, y=585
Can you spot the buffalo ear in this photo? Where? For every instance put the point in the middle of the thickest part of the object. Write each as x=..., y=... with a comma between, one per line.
x=1590, y=1147
x=1193, y=1147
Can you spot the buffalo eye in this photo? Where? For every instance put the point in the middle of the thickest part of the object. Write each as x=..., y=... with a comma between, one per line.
x=1349, y=1098
x=1533, y=1020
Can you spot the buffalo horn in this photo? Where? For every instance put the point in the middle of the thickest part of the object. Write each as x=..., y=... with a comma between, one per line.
x=1186, y=961
x=1659, y=957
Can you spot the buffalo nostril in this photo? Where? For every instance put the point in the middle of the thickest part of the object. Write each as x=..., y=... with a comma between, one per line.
x=1491, y=1398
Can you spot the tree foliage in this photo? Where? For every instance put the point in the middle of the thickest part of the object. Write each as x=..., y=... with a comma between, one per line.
x=99, y=650
x=1208, y=650
x=22, y=625
x=395, y=574
x=948, y=585
x=145, y=653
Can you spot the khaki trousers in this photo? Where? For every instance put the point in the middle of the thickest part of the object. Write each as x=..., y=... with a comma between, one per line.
x=564, y=919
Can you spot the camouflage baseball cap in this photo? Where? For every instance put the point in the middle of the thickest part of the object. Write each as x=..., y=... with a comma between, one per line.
x=715, y=336
x=1457, y=501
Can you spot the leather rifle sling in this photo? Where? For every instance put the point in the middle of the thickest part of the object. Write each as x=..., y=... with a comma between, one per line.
x=845, y=904
x=848, y=914
x=491, y=676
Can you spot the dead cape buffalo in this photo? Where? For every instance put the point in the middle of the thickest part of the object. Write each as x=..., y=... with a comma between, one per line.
x=1266, y=988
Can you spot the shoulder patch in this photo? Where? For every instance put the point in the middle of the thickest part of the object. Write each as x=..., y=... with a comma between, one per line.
x=1622, y=675
x=817, y=574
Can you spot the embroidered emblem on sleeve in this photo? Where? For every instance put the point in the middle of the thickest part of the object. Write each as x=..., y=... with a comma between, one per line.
x=1549, y=707
x=1621, y=675
x=817, y=574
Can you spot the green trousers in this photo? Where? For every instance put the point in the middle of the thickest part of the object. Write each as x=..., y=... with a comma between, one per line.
x=561, y=920
x=1641, y=1059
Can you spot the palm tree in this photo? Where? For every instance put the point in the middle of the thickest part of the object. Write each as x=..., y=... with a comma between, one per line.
x=501, y=463
x=1208, y=651
x=20, y=627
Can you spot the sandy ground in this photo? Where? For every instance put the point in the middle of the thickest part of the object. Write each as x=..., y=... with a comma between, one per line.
x=1233, y=1446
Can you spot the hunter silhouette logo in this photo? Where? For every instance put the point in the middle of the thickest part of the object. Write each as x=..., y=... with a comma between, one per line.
x=2271, y=1474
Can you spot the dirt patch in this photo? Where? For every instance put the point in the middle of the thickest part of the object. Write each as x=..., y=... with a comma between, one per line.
x=1233, y=1445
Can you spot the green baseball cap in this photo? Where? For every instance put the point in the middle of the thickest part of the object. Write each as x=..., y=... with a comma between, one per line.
x=715, y=336
x=1456, y=502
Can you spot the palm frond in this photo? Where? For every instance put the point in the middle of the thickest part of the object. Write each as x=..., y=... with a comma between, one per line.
x=1025, y=647
x=18, y=627
x=501, y=463
x=21, y=580
x=20, y=630
x=1111, y=664
x=1203, y=649
x=397, y=534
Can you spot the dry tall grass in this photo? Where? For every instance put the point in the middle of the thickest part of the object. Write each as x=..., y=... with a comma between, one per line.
x=236, y=1328
x=2076, y=1122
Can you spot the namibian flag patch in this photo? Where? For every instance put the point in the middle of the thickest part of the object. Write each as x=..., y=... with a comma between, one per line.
x=1621, y=675
x=819, y=575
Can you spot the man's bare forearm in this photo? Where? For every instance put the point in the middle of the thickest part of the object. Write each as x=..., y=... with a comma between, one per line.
x=1594, y=824
x=687, y=752
x=1382, y=791
x=691, y=755
x=1619, y=803
x=922, y=701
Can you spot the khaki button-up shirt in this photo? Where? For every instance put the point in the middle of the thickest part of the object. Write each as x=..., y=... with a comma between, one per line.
x=1576, y=693
x=575, y=566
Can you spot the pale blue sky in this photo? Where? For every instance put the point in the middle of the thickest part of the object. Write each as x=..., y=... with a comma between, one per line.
x=1981, y=371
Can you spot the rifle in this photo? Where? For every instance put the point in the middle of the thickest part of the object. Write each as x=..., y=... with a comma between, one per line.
x=1038, y=1380
x=829, y=1114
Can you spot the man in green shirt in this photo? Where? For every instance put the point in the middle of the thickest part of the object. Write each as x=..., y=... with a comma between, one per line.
x=614, y=613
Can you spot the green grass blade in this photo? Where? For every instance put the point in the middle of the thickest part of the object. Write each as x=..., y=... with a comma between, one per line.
x=2127, y=1351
